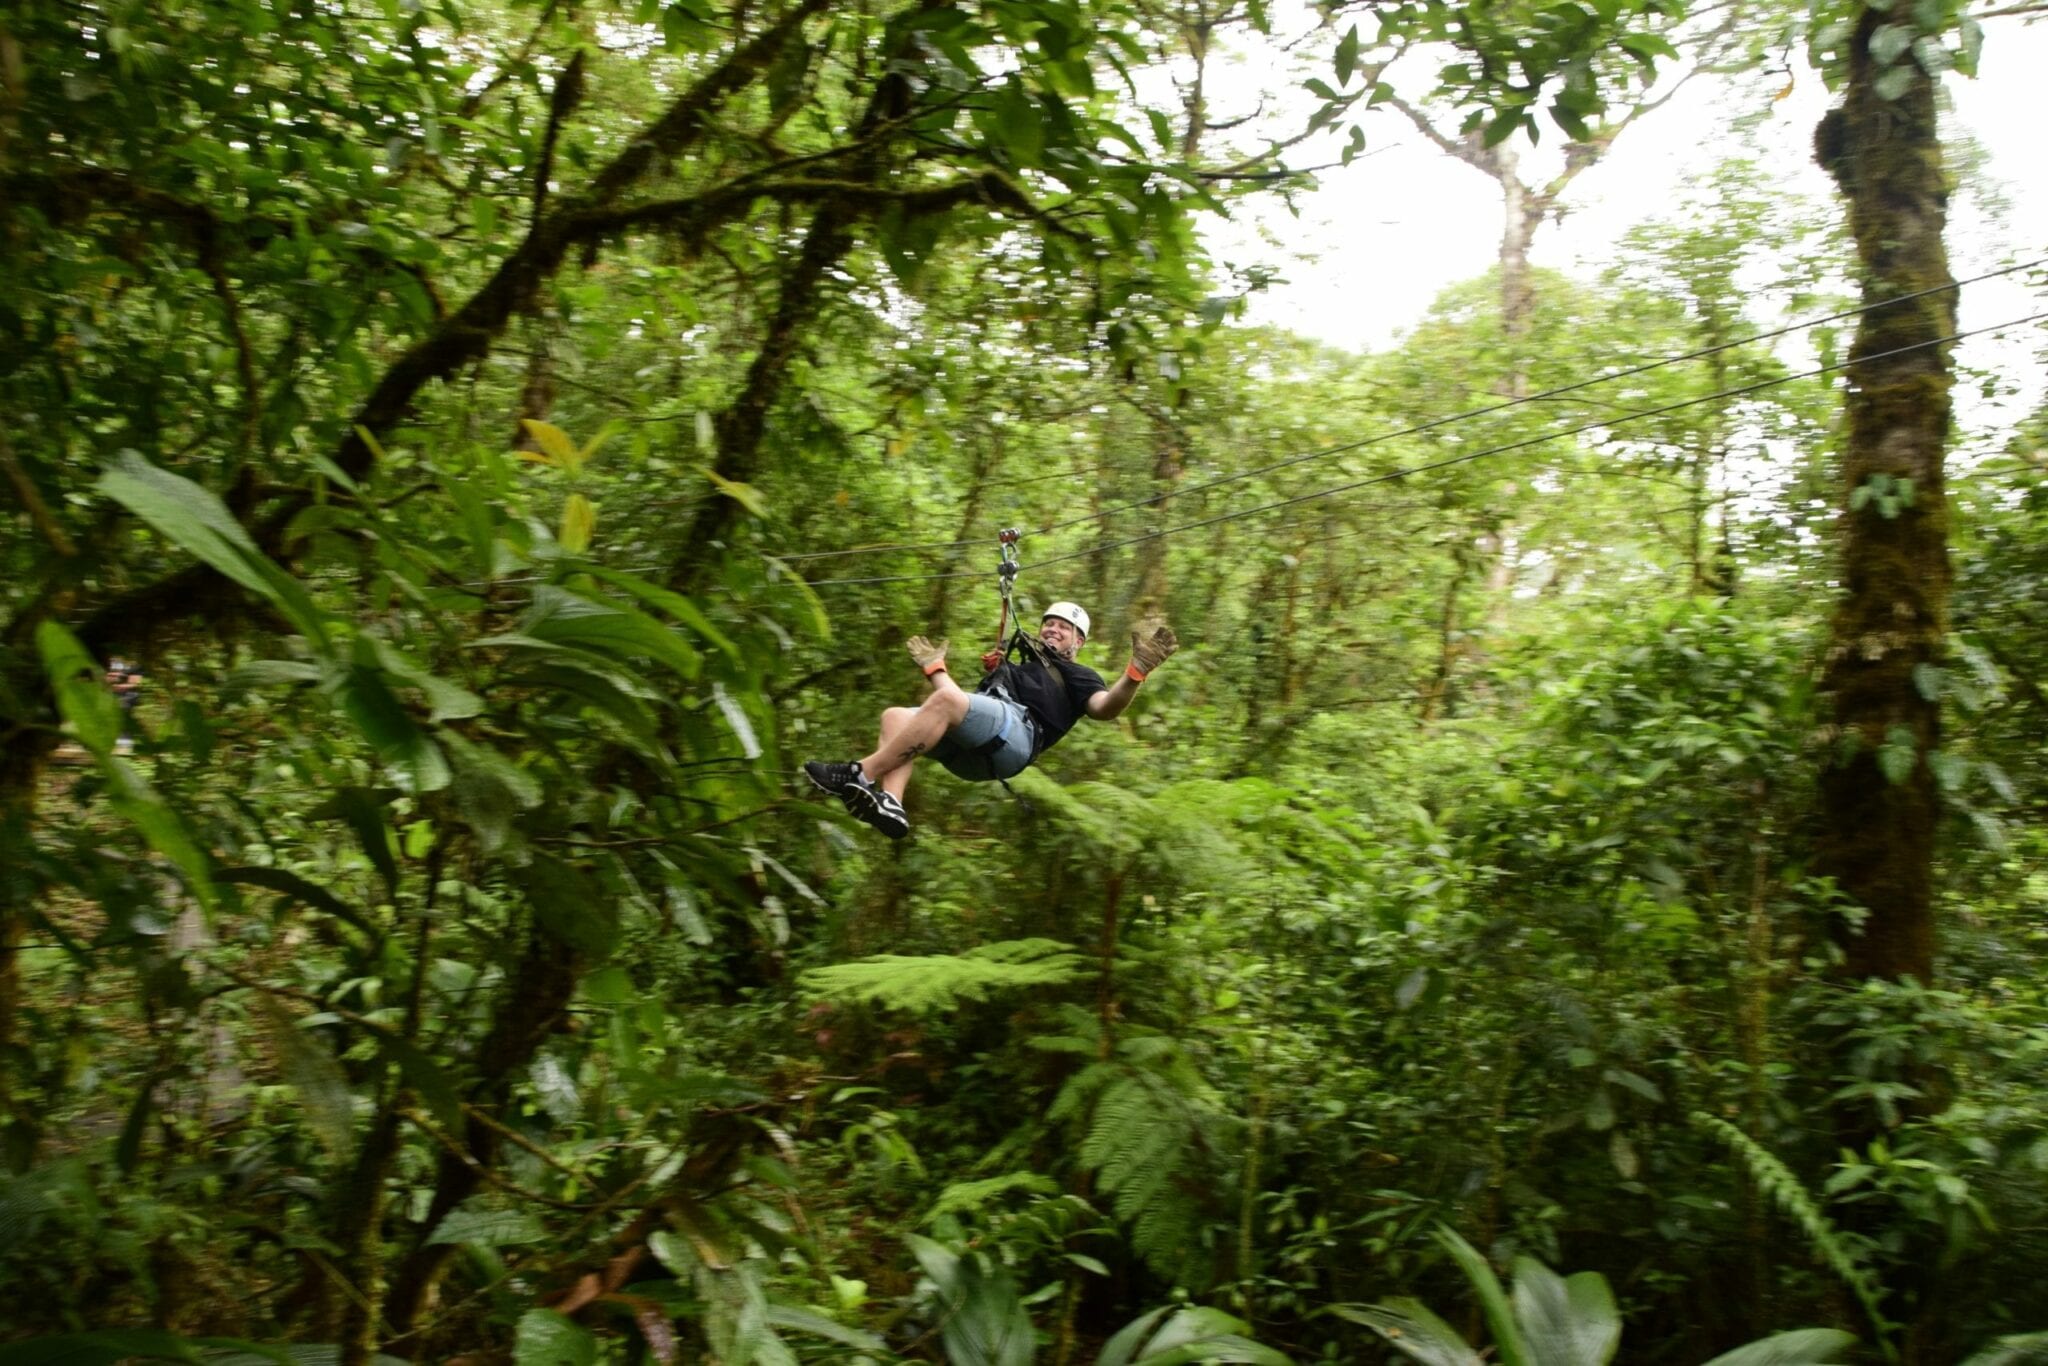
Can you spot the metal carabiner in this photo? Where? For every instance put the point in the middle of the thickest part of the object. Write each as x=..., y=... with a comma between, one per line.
x=1006, y=578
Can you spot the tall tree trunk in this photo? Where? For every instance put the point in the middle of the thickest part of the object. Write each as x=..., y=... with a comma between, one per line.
x=1878, y=797
x=1521, y=211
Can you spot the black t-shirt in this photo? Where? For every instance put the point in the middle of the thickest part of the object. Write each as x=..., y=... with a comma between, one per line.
x=1055, y=704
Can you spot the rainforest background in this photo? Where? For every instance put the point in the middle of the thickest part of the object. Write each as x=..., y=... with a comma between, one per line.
x=1596, y=821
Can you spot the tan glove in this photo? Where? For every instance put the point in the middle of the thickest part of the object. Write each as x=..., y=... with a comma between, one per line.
x=1151, y=645
x=928, y=656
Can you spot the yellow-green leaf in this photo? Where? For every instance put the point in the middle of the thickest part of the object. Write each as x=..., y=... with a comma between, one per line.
x=553, y=440
x=579, y=520
x=746, y=495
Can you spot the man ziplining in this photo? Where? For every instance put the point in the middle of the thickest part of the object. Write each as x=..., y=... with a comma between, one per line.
x=1021, y=709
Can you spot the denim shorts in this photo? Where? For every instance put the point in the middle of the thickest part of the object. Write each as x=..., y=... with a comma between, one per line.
x=988, y=718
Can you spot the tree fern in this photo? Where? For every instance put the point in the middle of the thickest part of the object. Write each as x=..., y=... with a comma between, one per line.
x=1776, y=1180
x=1151, y=1148
x=931, y=985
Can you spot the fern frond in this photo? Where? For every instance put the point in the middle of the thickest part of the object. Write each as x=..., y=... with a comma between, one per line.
x=1077, y=812
x=973, y=1195
x=1147, y=1145
x=930, y=985
x=1080, y=1089
x=1777, y=1182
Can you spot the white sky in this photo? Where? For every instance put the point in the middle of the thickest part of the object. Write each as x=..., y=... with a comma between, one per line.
x=1377, y=242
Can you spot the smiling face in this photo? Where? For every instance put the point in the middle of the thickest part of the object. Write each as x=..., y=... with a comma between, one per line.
x=1060, y=634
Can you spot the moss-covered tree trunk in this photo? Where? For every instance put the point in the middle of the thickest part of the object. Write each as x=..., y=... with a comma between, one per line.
x=1880, y=805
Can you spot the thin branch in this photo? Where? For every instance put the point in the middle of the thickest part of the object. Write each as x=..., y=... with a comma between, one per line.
x=245, y=355
x=568, y=94
x=376, y=1027
x=468, y=108
x=677, y=128
x=1466, y=149
x=31, y=497
x=506, y=1184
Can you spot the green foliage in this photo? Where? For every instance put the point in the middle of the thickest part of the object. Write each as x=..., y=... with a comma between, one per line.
x=979, y=1315
x=2019, y=1349
x=1183, y=1336
x=923, y=986
x=444, y=919
x=1151, y=1136
x=1552, y=1321
x=1829, y=1244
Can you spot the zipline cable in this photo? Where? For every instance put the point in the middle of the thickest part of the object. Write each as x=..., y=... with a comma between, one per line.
x=1466, y=458
x=1416, y=430
x=1582, y=428
x=1545, y=395
x=914, y=547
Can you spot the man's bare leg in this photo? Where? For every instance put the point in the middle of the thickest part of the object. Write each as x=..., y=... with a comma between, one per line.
x=910, y=732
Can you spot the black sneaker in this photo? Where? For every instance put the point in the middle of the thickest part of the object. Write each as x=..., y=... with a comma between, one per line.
x=844, y=781
x=888, y=815
x=863, y=799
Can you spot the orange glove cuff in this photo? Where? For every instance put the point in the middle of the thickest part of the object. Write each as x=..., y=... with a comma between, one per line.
x=1132, y=672
x=937, y=666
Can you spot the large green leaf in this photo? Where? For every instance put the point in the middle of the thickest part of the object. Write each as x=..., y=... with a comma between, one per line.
x=1493, y=1300
x=563, y=618
x=1413, y=1330
x=817, y=1325
x=1800, y=1347
x=162, y=826
x=429, y=1081
x=446, y=700
x=365, y=696
x=82, y=697
x=1565, y=1322
x=229, y=1352
x=196, y=521
x=363, y=809
x=546, y=1338
x=1122, y=1348
x=310, y=1069
x=299, y=889
x=673, y=603
x=489, y=1228
x=1219, y=1347
x=103, y=1348
x=490, y=789
x=2021, y=1349
x=1189, y=1335
x=568, y=678
x=983, y=1322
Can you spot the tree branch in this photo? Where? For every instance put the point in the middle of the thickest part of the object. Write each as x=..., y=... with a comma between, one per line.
x=45, y=522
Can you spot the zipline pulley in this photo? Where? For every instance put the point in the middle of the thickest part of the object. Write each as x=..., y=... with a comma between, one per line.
x=1006, y=578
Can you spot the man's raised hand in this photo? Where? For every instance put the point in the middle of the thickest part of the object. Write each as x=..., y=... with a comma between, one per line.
x=1151, y=643
x=927, y=655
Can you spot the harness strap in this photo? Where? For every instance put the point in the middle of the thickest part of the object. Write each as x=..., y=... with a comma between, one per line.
x=989, y=748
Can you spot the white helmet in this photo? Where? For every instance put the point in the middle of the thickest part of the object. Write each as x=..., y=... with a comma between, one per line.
x=1071, y=613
